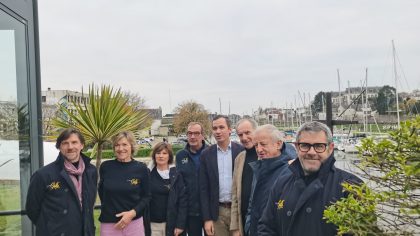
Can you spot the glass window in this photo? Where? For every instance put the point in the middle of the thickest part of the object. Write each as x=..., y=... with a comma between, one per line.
x=14, y=121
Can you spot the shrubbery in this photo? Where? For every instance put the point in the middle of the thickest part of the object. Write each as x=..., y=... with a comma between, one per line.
x=389, y=202
x=142, y=152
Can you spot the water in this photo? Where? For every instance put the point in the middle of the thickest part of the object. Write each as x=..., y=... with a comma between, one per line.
x=9, y=152
x=9, y=158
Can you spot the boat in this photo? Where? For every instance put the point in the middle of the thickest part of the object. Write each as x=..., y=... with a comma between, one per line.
x=350, y=145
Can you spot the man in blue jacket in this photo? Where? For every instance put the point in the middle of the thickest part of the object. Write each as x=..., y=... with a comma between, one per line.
x=62, y=194
x=297, y=201
x=273, y=157
x=188, y=165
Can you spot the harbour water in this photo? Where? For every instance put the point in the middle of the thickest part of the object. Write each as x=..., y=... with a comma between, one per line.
x=9, y=158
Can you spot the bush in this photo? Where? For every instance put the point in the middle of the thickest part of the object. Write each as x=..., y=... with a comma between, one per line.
x=106, y=154
x=143, y=152
x=388, y=204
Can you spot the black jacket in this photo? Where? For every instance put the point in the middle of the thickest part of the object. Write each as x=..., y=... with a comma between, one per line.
x=52, y=203
x=186, y=167
x=266, y=172
x=209, y=180
x=177, y=205
x=296, y=209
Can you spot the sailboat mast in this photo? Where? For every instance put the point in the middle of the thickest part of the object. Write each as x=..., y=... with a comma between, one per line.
x=396, y=83
x=339, y=89
x=366, y=101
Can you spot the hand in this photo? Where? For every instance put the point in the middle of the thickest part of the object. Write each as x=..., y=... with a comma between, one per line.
x=209, y=227
x=126, y=217
x=236, y=233
x=178, y=231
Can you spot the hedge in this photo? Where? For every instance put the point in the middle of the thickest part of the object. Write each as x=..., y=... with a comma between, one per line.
x=143, y=152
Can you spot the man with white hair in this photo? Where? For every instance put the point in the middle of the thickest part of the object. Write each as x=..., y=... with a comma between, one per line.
x=273, y=157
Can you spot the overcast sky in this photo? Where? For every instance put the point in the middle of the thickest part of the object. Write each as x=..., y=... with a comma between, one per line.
x=247, y=53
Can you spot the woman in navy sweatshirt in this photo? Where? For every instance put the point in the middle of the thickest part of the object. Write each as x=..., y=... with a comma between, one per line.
x=168, y=206
x=124, y=190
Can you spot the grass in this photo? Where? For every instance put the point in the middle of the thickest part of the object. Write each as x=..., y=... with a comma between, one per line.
x=10, y=200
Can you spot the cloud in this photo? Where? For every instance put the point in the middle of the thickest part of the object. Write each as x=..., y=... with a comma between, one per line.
x=251, y=53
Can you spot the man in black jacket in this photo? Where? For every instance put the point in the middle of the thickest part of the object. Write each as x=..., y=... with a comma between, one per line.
x=62, y=194
x=188, y=165
x=298, y=199
x=216, y=170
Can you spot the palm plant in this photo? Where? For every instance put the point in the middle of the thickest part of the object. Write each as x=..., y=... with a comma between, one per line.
x=103, y=115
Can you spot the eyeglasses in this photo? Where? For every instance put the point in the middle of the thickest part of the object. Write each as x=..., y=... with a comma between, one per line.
x=190, y=134
x=318, y=147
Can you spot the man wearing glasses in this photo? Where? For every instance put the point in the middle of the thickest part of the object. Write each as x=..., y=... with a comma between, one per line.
x=298, y=199
x=188, y=164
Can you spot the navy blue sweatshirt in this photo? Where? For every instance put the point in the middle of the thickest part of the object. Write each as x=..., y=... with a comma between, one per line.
x=123, y=186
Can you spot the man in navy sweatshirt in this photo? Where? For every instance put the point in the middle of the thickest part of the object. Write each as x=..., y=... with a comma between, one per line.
x=188, y=164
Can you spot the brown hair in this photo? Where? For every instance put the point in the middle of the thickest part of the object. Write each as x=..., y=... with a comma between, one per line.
x=65, y=134
x=163, y=146
x=228, y=122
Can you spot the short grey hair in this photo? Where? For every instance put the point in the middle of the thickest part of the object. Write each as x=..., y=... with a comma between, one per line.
x=250, y=120
x=196, y=123
x=276, y=134
x=314, y=126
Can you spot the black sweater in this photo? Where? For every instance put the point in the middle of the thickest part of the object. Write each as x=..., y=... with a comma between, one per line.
x=160, y=193
x=123, y=186
x=247, y=175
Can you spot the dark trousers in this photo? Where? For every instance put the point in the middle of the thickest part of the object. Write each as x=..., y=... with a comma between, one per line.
x=195, y=226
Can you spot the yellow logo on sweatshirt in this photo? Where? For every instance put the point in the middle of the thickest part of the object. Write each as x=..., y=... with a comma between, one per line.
x=134, y=181
x=280, y=204
x=54, y=185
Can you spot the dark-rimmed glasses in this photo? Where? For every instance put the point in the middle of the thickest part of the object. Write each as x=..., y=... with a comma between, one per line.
x=318, y=147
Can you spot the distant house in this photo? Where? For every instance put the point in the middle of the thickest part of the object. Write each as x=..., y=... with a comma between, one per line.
x=352, y=93
x=51, y=99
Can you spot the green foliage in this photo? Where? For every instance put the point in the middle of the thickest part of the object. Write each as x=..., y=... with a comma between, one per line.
x=142, y=152
x=106, y=154
x=356, y=213
x=105, y=114
x=389, y=203
x=10, y=200
x=385, y=100
x=318, y=102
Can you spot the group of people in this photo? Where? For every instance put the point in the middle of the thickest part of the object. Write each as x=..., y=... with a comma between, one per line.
x=262, y=186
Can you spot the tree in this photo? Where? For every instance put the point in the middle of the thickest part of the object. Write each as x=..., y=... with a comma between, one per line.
x=105, y=114
x=318, y=103
x=139, y=104
x=188, y=112
x=389, y=202
x=135, y=100
x=48, y=114
x=385, y=100
x=411, y=106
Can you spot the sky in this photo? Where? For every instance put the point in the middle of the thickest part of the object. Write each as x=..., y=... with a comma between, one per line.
x=8, y=66
x=244, y=53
